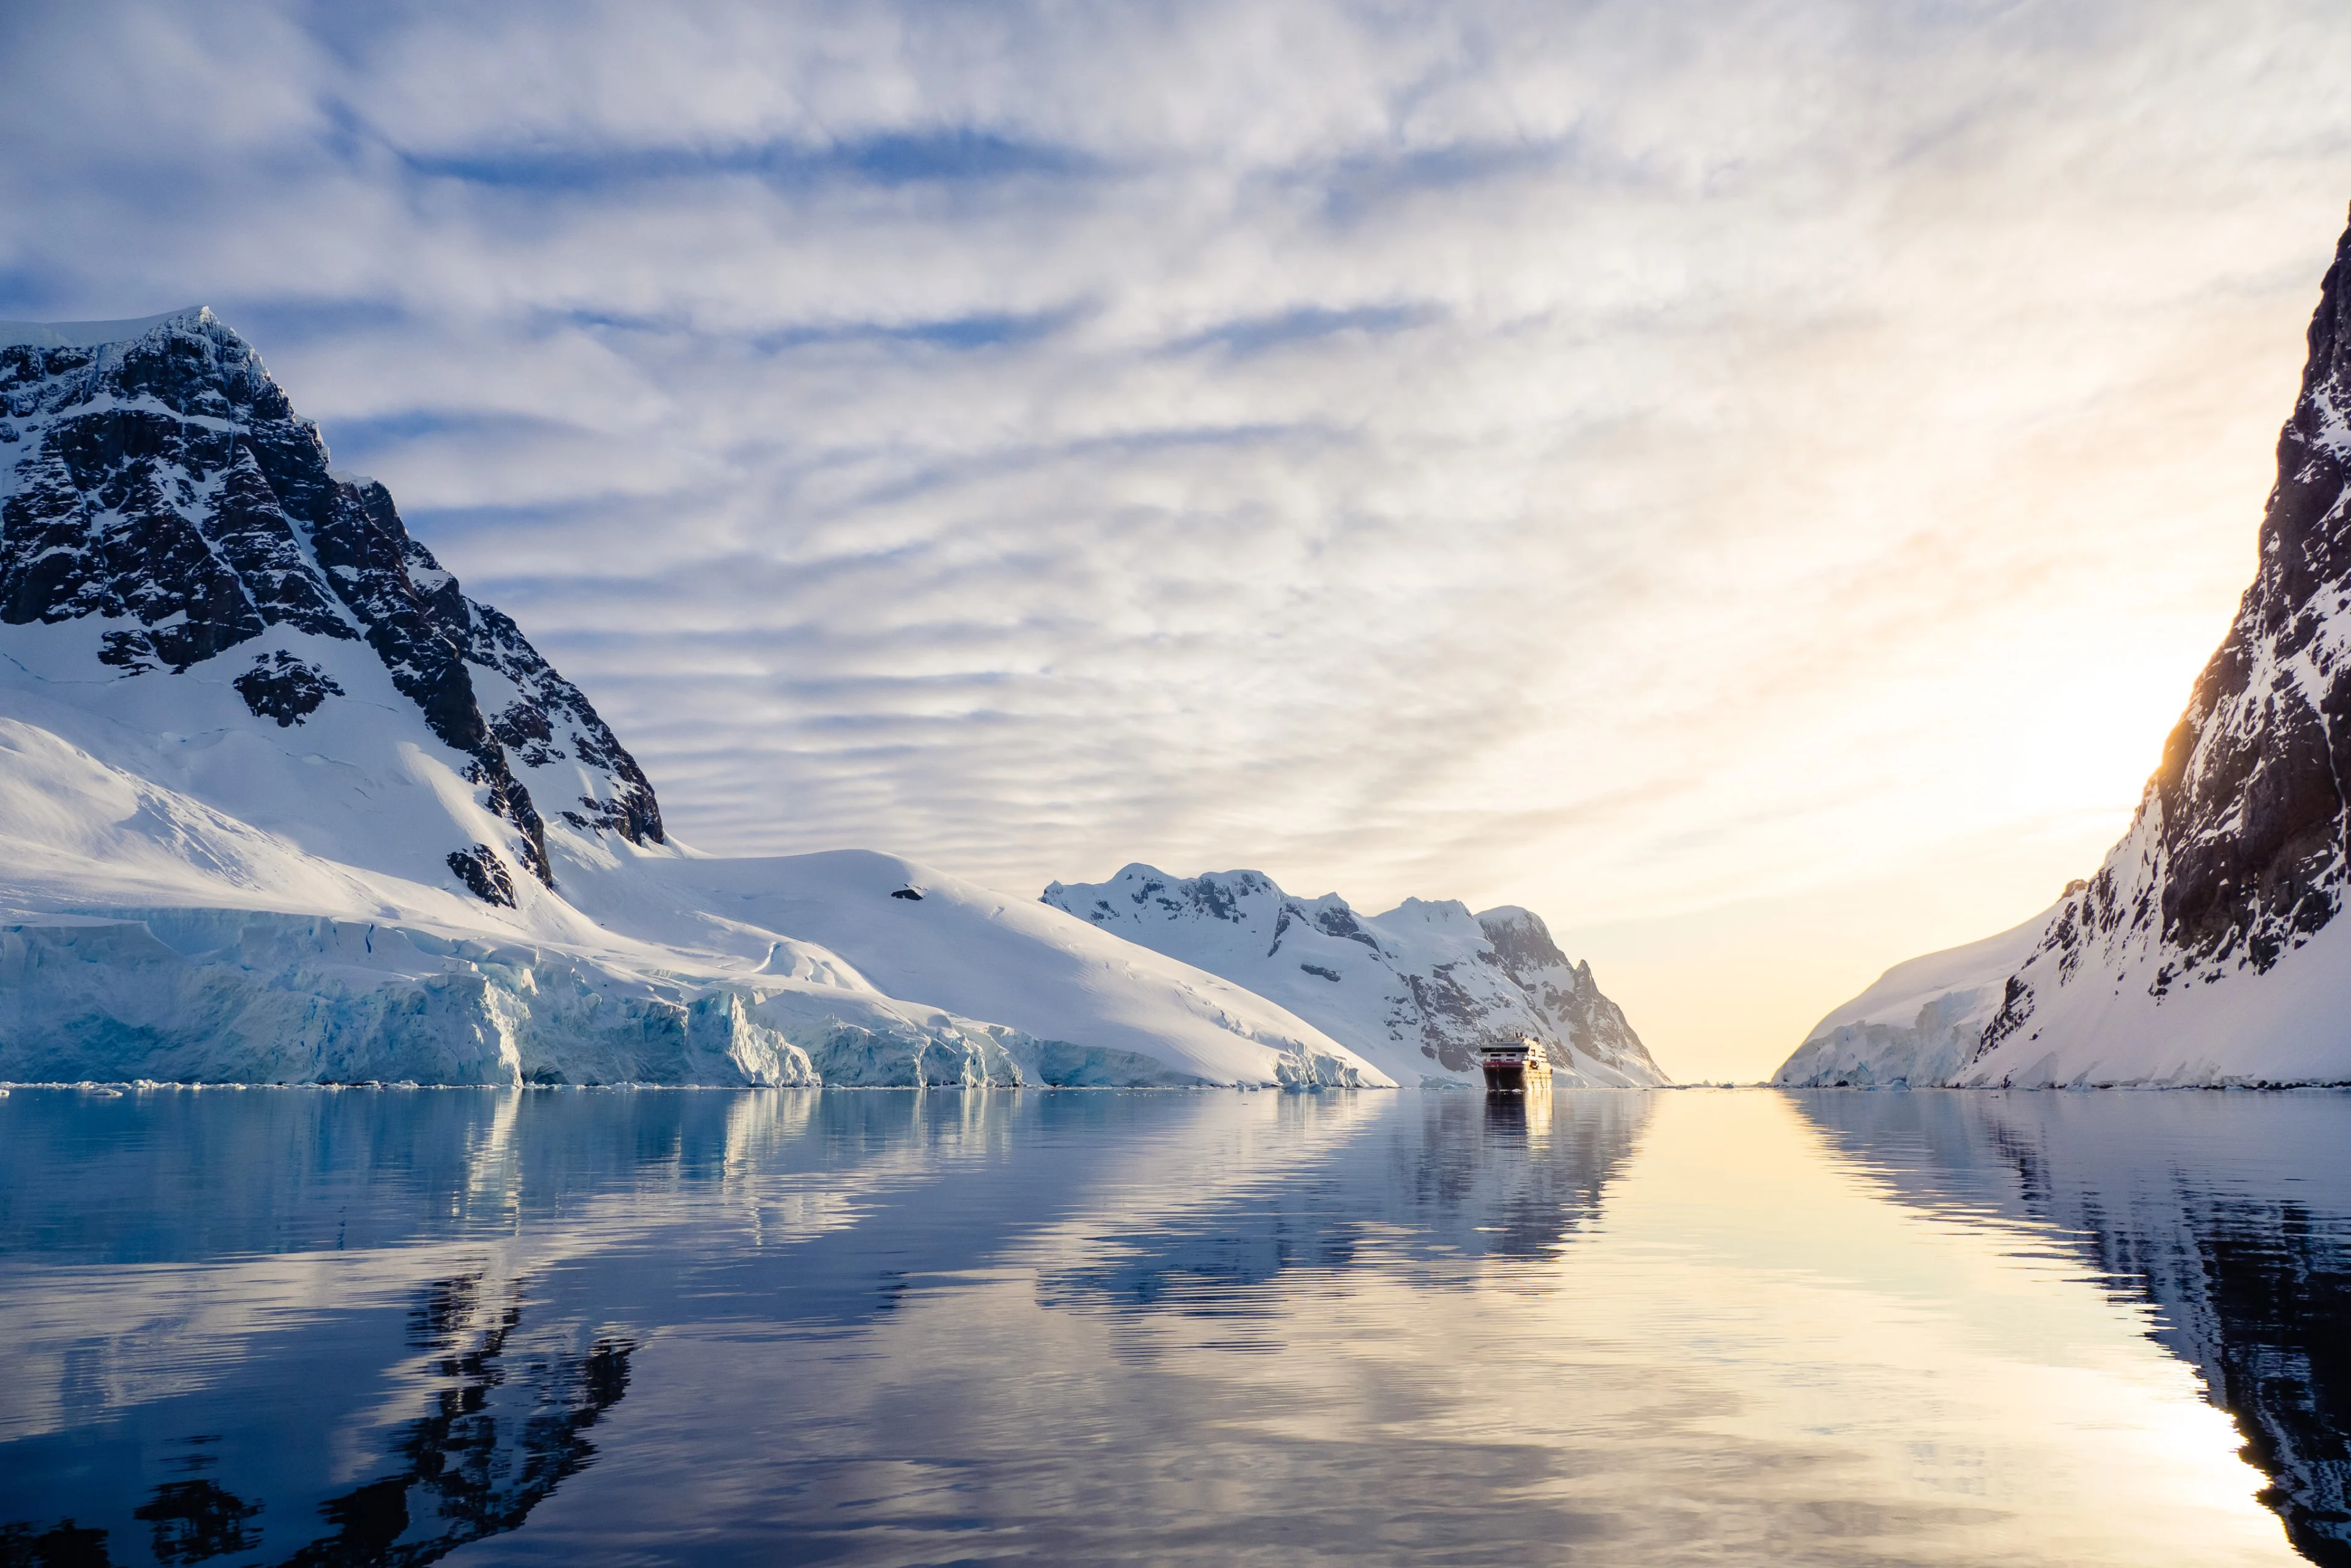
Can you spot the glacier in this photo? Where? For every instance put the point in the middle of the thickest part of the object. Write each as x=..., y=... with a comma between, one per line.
x=280, y=804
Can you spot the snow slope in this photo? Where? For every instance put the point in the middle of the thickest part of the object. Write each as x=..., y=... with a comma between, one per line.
x=1919, y=1024
x=278, y=802
x=2206, y=949
x=1415, y=990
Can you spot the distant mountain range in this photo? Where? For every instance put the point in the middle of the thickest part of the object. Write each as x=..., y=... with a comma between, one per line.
x=1416, y=991
x=2206, y=949
x=280, y=803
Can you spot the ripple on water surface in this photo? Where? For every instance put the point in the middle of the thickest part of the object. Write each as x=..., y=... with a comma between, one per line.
x=908, y=1328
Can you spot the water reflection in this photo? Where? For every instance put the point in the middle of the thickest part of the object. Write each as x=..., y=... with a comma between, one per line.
x=1447, y=1180
x=2230, y=1213
x=507, y=1423
x=886, y=1327
x=382, y=1310
x=508, y=1405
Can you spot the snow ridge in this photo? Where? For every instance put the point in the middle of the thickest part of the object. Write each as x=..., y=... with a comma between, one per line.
x=1417, y=990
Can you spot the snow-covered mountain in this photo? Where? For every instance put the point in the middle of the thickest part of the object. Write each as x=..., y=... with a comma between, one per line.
x=1417, y=990
x=2206, y=949
x=279, y=803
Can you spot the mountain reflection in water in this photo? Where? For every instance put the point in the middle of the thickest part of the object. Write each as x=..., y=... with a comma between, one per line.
x=376, y=1326
x=2230, y=1213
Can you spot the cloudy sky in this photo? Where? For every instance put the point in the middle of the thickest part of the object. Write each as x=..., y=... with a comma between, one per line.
x=1753, y=483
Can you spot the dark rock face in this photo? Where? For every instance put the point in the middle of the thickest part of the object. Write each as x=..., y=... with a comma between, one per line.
x=1341, y=923
x=2238, y=854
x=2251, y=786
x=163, y=484
x=1451, y=1020
x=144, y=497
x=284, y=688
x=484, y=874
x=551, y=719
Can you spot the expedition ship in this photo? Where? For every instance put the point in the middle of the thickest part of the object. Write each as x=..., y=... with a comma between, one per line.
x=1515, y=1066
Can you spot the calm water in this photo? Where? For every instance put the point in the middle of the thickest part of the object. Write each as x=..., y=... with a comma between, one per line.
x=290, y=1326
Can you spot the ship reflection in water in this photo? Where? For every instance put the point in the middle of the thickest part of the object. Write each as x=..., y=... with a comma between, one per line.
x=373, y=1326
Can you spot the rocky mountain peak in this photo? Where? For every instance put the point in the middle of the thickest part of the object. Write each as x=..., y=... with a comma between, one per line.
x=2250, y=789
x=2237, y=853
x=1521, y=941
x=156, y=487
